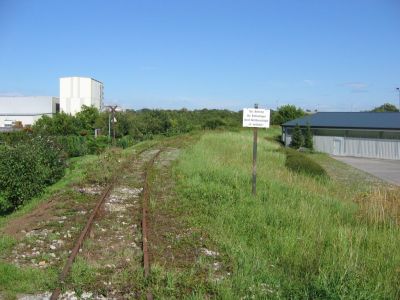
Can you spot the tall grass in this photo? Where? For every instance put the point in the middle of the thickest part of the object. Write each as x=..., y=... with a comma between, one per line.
x=380, y=206
x=298, y=238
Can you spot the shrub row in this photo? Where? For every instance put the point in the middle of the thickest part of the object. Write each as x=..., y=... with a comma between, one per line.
x=298, y=162
x=29, y=165
x=138, y=124
x=26, y=169
x=75, y=145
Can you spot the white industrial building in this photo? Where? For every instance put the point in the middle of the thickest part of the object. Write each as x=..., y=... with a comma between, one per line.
x=358, y=134
x=74, y=93
x=26, y=109
x=78, y=91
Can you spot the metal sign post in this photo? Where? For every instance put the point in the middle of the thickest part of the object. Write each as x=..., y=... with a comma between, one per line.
x=113, y=120
x=255, y=118
x=254, y=182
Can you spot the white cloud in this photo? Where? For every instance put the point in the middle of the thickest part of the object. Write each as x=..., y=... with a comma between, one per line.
x=309, y=82
x=356, y=86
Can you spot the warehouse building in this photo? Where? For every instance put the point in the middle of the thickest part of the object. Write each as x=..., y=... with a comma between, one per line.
x=359, y=134
x=78, y=91
x=26, y=110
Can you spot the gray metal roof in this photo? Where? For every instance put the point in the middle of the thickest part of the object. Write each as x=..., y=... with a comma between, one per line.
x=351, y=120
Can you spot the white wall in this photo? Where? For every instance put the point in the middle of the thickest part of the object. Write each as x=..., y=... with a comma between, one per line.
x=28, y=105
x=97, y=94
x=5, y=121
x=26, y=109
x=78, y=91
x=357, y=147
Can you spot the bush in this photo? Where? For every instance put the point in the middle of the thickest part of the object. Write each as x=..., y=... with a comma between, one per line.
x=299, y=162
x=213, y=124
x=125, y=142
x=52, y=159
x=73, y=145
x=14, y=137
x=26, y=169
x=103, y=169
x=98, y=145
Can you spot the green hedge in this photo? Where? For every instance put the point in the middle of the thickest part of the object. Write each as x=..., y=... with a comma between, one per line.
x=298, y=162
x=26, y=169
x=99, y=144
x=125, y=142
x=74, y=145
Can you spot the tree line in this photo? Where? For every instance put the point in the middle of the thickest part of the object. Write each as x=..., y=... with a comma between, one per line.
x=36, y=157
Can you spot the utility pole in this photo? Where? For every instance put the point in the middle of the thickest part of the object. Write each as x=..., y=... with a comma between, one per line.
x=112, y=110
x=109, y=126
x=398, y=89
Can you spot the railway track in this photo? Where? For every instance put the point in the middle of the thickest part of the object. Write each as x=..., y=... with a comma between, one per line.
x=145, y=194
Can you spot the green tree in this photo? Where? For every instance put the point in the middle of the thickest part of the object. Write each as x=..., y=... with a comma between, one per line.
x=286, y=113
x=308, y=138
x=297, y=138
x=59, y=124
x=87, y=117
x=387, y=107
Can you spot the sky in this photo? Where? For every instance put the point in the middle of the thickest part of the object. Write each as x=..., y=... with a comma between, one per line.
x=331, y=55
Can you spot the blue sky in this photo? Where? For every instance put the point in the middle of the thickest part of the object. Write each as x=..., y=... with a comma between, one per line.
x=326, y=55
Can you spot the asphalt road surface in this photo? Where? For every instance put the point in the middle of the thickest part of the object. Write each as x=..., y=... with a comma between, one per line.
x=388, y=170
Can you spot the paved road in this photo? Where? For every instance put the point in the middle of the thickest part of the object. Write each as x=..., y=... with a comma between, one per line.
x=388, y=170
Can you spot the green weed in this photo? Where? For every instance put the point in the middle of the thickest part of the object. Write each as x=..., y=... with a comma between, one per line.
x=6, y=243
x=298, y=238
x=83, y=276
x=26, y=280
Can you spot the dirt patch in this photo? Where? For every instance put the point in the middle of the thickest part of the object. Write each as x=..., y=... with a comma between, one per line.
x=50, y=211
x=19, y=226
x=46, y=235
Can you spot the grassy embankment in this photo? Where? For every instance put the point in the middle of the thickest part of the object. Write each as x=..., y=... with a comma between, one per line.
x=300, y=237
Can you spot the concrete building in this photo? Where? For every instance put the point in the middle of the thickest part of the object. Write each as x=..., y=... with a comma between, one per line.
x=26, y=109
x=358, y=134
x=78, y=91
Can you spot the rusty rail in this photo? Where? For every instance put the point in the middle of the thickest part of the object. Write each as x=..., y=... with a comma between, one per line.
x=78, y=244
x=146, y=195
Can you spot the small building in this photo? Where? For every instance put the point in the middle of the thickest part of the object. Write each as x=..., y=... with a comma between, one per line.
x=78, y=91
x=25, y=111
x=359, y=134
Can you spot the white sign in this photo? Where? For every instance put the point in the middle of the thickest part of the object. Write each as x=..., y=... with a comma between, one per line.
x=256, y=117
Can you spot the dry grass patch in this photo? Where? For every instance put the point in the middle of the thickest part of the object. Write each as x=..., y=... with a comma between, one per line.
x=380, y=206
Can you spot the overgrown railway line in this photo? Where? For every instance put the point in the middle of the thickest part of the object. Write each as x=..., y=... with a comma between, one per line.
x=97, y=237
x=145, y=193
